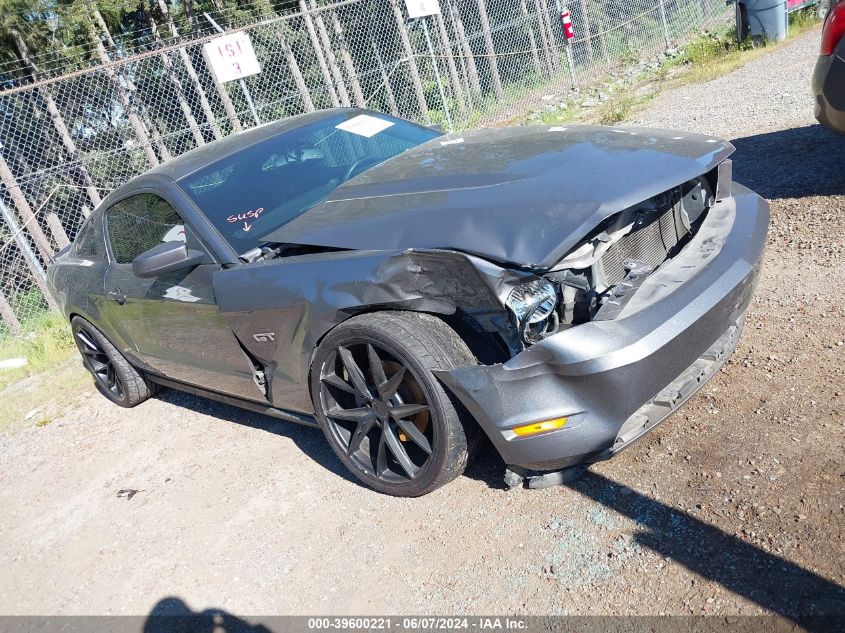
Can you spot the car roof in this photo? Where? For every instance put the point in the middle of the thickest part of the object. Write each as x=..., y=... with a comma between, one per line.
x=201, y=157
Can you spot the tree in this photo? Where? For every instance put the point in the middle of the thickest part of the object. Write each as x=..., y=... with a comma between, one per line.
x=11, y=32
x=347, y=61
x=491, y=51
x=177, y=85
x=457, y=89
x=31, y=143
x=547, y=35
x=188, y=64
x=532, y=40
x=330, y=56
x=468, y=55
x=318, y=51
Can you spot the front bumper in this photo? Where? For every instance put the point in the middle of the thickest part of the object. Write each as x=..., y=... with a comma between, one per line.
x=614, y=380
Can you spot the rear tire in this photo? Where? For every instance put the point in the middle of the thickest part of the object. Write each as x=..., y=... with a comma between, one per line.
x=113, y=376
x=381, y=408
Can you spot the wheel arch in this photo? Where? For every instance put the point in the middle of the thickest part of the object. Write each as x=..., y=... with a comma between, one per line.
x=488, y=347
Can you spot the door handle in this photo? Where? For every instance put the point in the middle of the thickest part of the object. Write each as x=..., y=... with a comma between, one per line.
x=117, y=296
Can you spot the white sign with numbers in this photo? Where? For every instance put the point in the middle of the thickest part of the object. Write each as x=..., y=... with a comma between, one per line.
x=231, y=57
x=422, y=8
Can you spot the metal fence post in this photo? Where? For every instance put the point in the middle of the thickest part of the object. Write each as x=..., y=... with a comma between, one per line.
x=437, y=76
x=570, y=62
x=39, y=275
x=665, y=24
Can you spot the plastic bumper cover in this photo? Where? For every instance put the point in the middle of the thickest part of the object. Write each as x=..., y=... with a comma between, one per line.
x=614, y=380
x=829, y=90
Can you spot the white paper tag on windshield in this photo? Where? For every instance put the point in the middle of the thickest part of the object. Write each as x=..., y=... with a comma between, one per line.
x=364, y=125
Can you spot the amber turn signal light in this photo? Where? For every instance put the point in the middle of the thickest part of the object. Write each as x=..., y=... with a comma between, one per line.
x=539, y=427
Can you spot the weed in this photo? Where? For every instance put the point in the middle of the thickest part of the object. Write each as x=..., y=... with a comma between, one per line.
x=803, y=20
x=49, y=392
x=559, y=116
x=616, y=109
x=46, y=342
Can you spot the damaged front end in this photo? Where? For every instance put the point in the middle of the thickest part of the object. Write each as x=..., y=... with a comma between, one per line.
x=592, y=318
x=598, y=277
x=647, y=307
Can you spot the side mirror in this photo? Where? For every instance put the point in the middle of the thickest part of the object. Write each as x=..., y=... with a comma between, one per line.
x=165, y=258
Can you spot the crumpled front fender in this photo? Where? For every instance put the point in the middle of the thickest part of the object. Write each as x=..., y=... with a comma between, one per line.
x=279, y=310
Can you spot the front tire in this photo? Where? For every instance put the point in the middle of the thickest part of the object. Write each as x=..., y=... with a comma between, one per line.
x=113, y=376
x=381, y=408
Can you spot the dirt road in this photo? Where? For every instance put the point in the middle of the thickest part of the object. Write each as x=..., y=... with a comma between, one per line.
x=734, y=506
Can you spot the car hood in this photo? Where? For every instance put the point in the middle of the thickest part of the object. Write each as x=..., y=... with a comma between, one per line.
x=520, y=196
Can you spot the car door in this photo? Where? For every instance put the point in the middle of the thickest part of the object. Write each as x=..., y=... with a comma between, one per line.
x=170, y=324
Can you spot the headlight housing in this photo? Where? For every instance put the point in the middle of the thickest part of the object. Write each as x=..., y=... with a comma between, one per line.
x=532, y=302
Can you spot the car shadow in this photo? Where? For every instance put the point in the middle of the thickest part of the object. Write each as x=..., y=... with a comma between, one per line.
x=488, y=467
x=309, y=440
x=792, y=163
x=766, y=579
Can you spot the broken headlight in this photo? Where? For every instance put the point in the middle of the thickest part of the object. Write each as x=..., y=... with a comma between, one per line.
x=533, y=305
x=533, y=301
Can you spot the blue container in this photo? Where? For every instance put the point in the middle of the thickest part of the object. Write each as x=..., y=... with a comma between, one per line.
x=762, y=20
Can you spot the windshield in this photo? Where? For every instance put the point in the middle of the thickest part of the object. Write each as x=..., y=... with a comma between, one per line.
x=253, y=192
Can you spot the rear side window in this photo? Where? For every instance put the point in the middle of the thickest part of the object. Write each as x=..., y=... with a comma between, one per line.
x=89, y=241
x=139, y=223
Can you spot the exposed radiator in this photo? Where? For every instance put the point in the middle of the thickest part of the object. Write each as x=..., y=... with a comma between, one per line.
x=649, y=243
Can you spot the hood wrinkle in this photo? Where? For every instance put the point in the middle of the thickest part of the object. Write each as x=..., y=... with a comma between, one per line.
x=342, y=194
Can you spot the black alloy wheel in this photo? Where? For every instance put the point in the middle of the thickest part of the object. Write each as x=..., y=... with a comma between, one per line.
x=384, y=413
x=381, y=422
x=113, y=376
x=97, y=362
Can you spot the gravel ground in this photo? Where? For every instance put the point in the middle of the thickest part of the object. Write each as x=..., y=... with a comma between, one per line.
x=734, y=506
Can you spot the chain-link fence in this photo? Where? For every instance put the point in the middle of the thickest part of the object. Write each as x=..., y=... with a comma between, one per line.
x=67, y=140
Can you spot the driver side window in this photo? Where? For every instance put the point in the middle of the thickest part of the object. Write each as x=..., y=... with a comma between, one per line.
x=139, y=223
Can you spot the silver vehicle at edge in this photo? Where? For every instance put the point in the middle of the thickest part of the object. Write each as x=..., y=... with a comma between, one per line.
x=560, y=290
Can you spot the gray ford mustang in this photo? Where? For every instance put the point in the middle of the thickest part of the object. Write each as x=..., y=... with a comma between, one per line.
x=559, y=290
